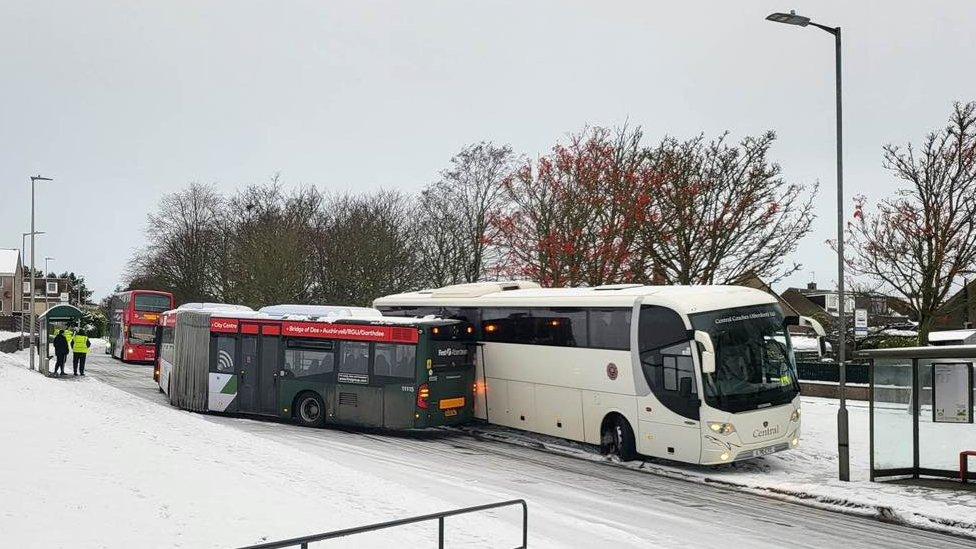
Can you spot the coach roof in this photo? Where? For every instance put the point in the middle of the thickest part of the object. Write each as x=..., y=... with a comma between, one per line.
x=684, y=299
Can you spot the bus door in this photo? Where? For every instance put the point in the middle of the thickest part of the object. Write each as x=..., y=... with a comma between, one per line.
x=358, y=401
x=258, y=370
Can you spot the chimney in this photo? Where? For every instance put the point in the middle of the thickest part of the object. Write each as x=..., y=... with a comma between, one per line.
x=811, y=285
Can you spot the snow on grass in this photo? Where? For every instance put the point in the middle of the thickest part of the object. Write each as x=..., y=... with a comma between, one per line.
x=805, y=475
x=85, y=465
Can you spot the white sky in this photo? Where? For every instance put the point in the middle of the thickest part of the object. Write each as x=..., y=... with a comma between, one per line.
x=123, y=102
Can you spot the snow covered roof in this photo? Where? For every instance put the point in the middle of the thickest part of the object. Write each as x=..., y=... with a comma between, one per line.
x=9, y=261
x=961, y=336
x=319, y=311
x=684, y=299
x=214, y=307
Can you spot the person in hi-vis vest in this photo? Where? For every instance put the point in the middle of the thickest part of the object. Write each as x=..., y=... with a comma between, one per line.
x=79, y=348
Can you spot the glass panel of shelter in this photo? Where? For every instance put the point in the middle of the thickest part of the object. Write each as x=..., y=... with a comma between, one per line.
x=892, y=412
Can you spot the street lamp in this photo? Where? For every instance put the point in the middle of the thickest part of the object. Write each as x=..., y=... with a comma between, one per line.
x=843, y=448
x=23, y=245
x=46, y=304
x=34, y=179
x=23, y=252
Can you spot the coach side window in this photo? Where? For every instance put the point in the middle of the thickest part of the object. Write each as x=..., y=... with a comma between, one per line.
x=506, y=325
x=666, y=359
x=609, y=328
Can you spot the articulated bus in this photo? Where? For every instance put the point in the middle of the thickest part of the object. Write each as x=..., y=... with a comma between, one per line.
x=699, y=374
x=392, y=373
x=132, y=324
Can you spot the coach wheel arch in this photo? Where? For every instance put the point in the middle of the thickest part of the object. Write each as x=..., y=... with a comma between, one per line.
x=308, y=409
x=617, y=437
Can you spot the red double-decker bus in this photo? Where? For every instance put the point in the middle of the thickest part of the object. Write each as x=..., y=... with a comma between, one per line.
x=132, y=324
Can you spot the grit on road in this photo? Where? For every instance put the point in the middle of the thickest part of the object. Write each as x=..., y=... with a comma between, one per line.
x=572, y=502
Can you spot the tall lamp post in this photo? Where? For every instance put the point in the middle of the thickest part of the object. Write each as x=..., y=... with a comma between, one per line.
x=47, y=305
x=843, y=447
x=33, y=320
x=23, y=251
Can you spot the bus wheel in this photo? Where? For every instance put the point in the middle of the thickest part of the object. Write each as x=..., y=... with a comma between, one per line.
x=310, y=410
x=617, y=438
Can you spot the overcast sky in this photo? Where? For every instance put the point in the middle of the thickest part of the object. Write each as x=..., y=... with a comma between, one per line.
x=121, y=103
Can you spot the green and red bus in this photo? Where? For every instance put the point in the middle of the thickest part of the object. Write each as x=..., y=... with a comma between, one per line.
x=372, y=371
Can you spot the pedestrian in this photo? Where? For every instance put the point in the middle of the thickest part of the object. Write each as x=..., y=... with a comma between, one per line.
x=79, y=345
x=60, y=351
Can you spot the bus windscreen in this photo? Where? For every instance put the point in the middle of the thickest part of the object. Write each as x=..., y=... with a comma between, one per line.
x=152, y=303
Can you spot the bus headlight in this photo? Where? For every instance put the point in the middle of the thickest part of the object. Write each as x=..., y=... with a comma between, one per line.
x=721, y=428
x=795, y=416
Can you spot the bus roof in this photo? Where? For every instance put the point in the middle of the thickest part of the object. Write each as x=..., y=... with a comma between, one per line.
x=213, y=307
x=241, y=312
x=319, y=311
x=683, y=299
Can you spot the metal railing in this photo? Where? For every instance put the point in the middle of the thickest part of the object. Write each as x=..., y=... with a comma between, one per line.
x=830, y=371
x=305, y=540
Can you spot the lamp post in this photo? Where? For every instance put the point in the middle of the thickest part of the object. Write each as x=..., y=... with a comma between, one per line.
x=47, y=305
x=34, y=179
x=843, y=453
x=23, y=245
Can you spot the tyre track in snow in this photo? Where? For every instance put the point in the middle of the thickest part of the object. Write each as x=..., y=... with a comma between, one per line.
x=572, y=500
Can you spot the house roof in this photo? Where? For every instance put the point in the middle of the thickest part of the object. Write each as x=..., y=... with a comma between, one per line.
x=9, y=261
x=802, y=303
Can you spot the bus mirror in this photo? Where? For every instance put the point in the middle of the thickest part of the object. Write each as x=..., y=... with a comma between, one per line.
x=707, y=352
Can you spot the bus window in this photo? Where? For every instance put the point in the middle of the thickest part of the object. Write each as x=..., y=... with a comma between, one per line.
x=395, y=360
x=559, y=327
x=305, y=362
x=507, y=325
x=226, y=348
x=154, y=303
x=142, y=335
x=355, y=358
x=610, y=328
x=666, y=358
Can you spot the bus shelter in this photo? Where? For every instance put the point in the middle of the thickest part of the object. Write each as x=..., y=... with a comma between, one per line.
x=921, y=411
x=60, y=316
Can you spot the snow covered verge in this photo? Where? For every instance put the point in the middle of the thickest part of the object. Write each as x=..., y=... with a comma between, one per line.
x=5, y=335
x=83, y=464
x=806, y=475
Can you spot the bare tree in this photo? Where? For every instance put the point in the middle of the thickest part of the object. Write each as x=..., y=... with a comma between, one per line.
x=921, y=242
x=365, y=248
x=455, y=214
x=722, y=211
x=183, y=237
x=272, y=257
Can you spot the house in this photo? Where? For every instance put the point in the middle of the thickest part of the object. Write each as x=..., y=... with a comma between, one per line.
x=883, y=310
x=11, y=282
x=960, y=309
x=48, y=292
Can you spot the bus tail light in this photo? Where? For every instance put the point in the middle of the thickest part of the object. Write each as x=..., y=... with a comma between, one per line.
x=422, y=395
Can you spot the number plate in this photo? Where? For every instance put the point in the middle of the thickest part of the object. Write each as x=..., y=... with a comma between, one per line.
x=451, y=403
x=760, y=452
x=449, y=413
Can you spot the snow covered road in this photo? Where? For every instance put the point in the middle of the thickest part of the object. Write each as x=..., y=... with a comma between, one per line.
x=572, y=502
